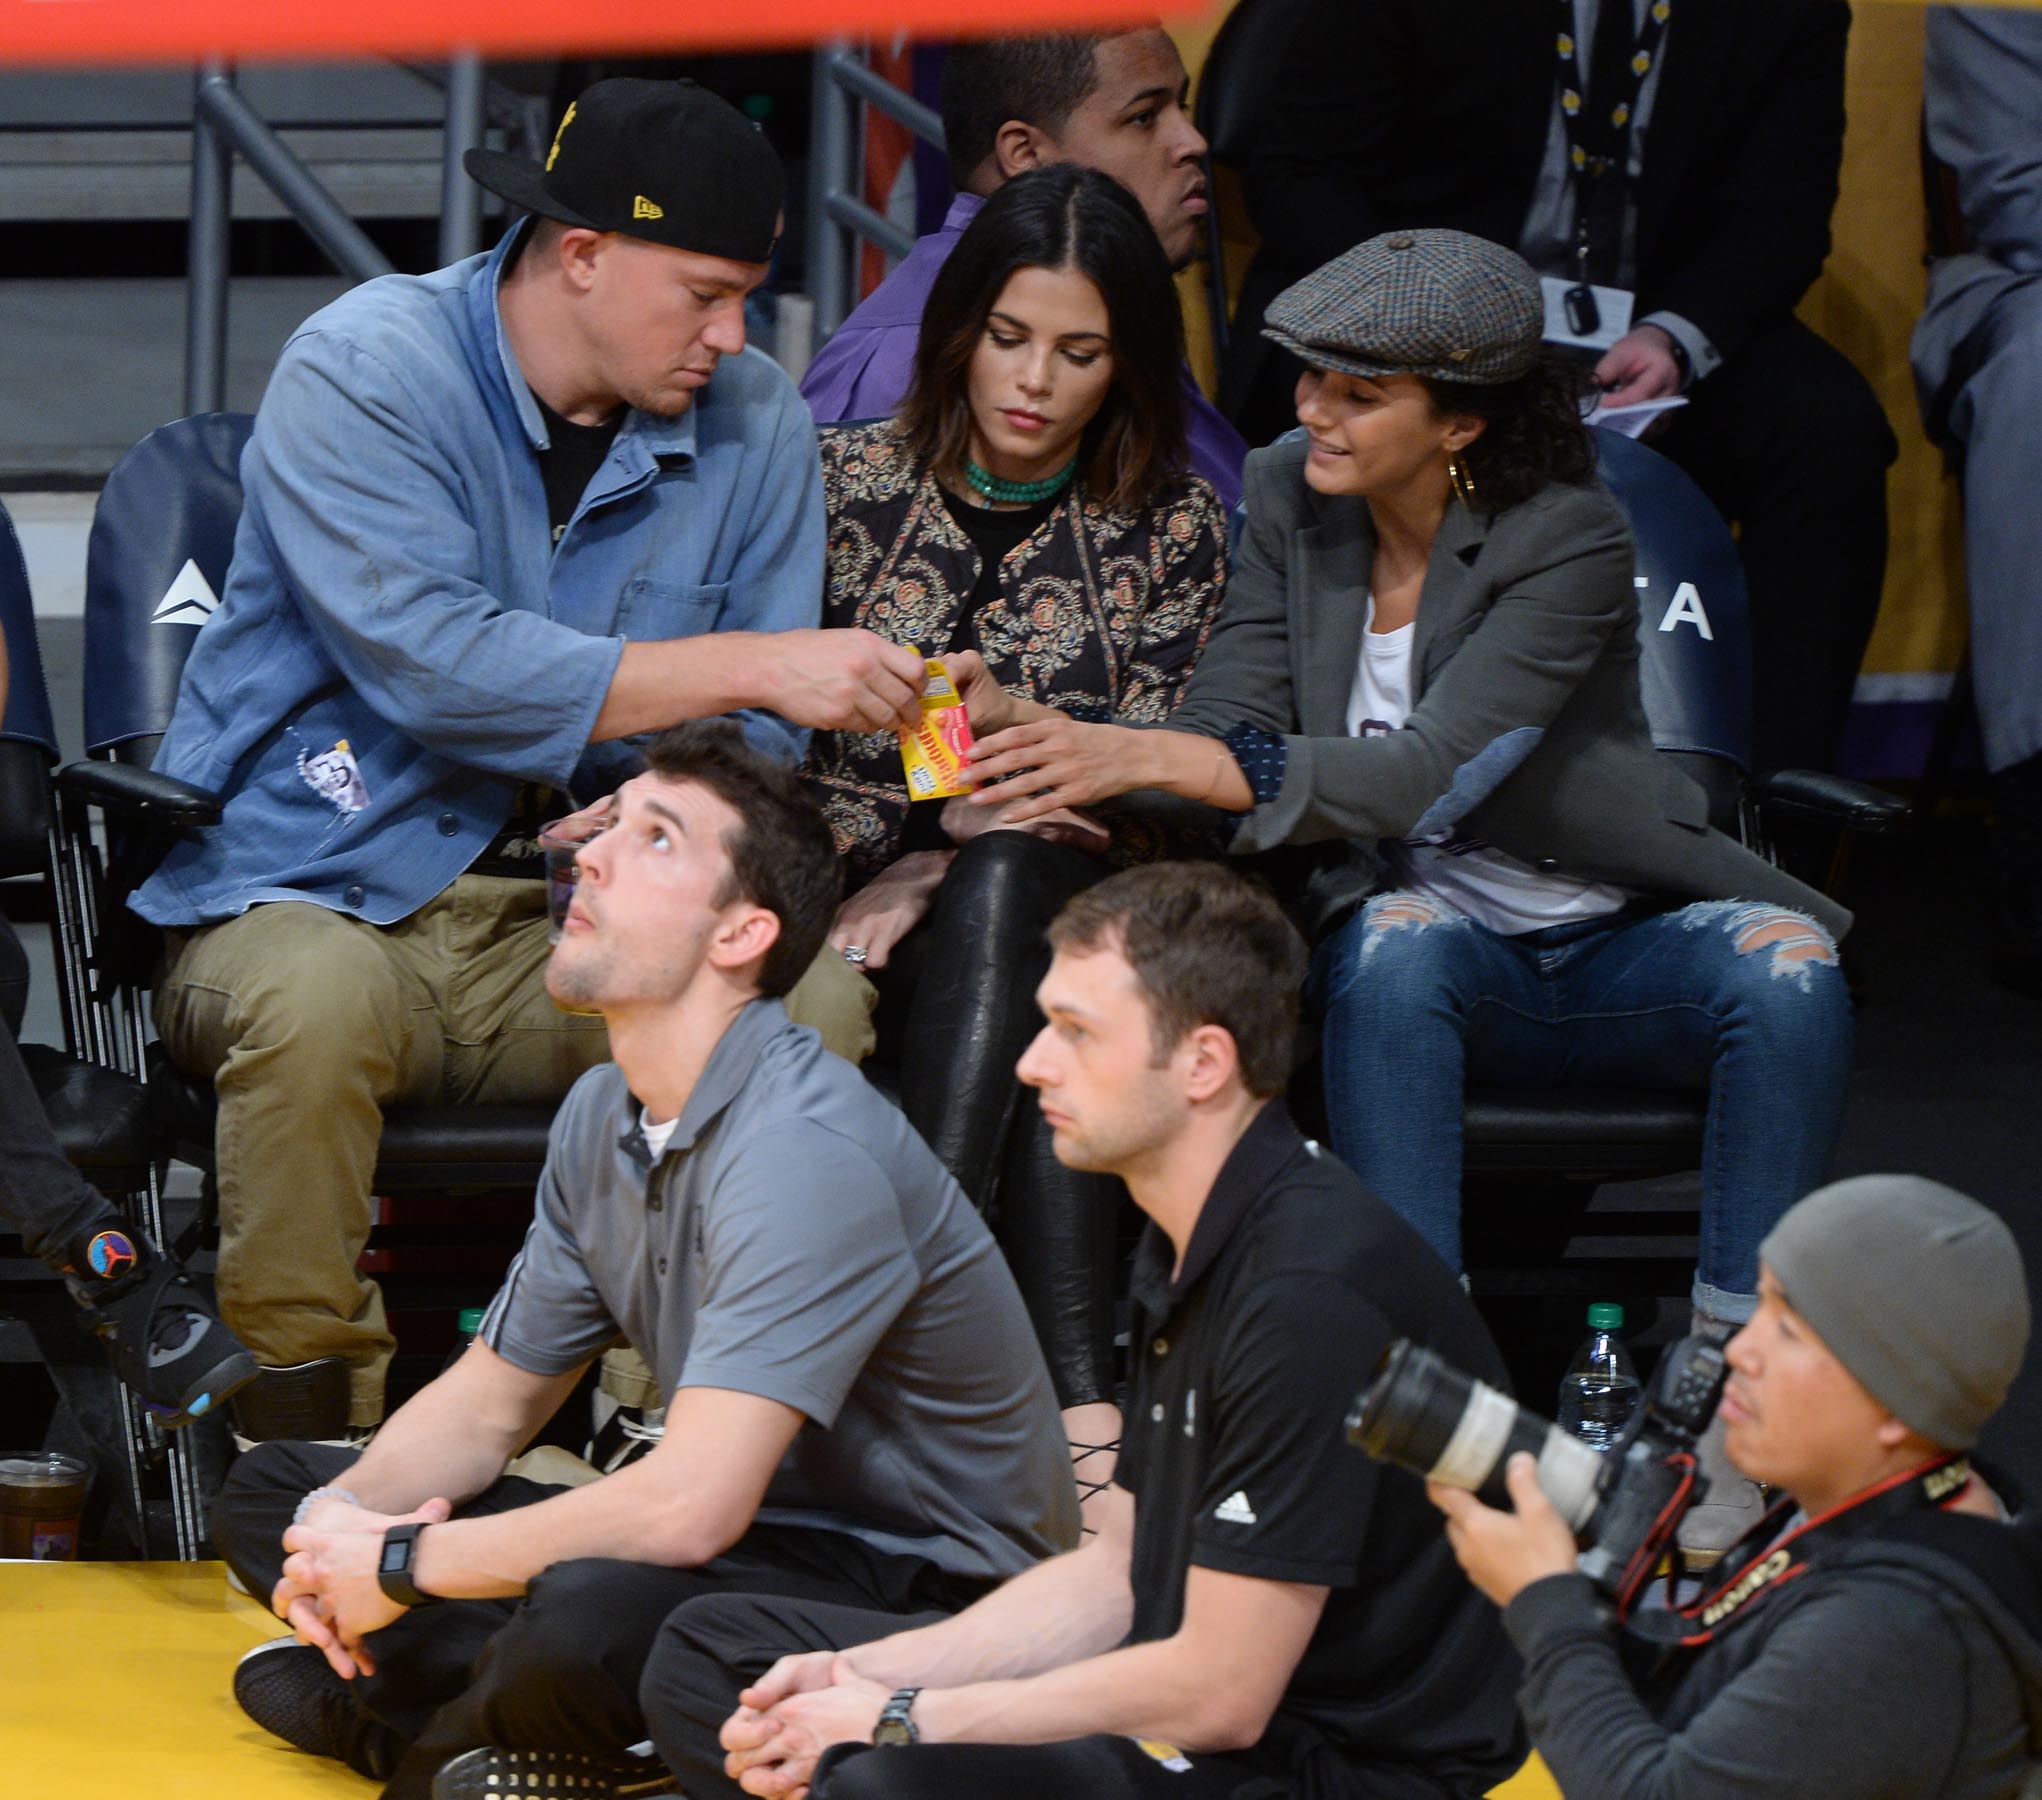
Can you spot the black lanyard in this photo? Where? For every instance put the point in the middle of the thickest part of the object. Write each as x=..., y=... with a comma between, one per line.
x=1773, y=1561
x=1599, y=131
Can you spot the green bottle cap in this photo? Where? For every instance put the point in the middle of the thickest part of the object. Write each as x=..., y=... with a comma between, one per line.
x=1605, y=1315
x=469, y=1321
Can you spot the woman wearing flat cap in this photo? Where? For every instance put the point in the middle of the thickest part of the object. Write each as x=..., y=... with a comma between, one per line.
x=1427, y=670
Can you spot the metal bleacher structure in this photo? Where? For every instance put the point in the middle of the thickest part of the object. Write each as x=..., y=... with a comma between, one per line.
x=326, y=146
x=843, y=85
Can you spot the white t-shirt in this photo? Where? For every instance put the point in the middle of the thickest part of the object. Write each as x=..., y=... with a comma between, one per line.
x=1493, y=889
x=656, y=1135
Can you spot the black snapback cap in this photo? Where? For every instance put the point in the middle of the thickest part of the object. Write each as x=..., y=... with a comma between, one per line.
x=667, y=161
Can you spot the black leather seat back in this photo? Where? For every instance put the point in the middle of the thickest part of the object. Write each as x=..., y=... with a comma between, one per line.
x=28, y=733
x=155, y=571
x=1694, y=627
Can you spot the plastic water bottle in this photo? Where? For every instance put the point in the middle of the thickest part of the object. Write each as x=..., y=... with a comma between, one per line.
x=1601, y=1389
x=467, y=1323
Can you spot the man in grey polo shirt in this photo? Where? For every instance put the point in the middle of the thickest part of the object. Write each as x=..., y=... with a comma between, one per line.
x=857, y=1407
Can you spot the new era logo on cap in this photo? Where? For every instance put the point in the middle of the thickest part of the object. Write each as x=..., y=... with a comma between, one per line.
x=642, y=208
x=1234, y=1509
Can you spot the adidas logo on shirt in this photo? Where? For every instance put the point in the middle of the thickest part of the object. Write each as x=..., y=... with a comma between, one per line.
x=1235, y=1510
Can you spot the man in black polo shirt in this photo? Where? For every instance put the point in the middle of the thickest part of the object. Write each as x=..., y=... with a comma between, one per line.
x=1263, y=1611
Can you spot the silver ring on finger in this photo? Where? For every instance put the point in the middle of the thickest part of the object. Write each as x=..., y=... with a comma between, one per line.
x=855, y=955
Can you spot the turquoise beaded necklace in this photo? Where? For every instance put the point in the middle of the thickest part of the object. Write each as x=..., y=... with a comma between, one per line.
x=1018, y=493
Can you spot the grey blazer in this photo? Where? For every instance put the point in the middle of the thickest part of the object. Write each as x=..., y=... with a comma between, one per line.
x=1526, y=728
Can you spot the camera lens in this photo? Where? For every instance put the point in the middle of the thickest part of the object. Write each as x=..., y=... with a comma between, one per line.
x=1423, y=1414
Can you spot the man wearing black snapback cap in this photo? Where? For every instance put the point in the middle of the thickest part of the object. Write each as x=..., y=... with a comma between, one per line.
x=501, y=521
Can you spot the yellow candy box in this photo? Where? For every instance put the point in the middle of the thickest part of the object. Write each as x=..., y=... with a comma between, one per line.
x=933, y=752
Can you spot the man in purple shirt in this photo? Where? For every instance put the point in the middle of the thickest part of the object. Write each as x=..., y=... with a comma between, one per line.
x=1113, y=103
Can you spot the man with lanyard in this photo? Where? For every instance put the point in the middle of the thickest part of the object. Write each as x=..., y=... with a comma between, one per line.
x=1880, y=1632
x=856, y=1409
x=501, y=521
x=1115, y=104
x=1669, y=167
x=1263, y=1610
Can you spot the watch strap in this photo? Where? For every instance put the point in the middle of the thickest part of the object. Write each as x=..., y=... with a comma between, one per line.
x=896, y=1721
x=393, y=1566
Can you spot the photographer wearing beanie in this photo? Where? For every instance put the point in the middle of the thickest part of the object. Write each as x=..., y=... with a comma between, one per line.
x=1880, y=1631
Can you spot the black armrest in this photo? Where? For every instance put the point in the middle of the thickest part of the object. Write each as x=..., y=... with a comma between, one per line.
x=140, y=793
x=1854, y=805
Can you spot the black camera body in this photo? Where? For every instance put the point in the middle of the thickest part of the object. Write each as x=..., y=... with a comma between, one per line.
x=1421, y=1413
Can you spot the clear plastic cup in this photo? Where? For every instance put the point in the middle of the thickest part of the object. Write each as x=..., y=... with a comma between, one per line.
x=42, y=1504
x=562, y=842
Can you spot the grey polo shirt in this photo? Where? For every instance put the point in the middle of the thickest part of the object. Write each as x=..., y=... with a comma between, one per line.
x=799, y=1241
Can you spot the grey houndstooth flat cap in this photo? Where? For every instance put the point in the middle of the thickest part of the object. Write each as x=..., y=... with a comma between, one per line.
x=1437, y=303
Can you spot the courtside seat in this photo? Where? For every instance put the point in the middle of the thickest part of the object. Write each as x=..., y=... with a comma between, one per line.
x=1520, y=1145
x=452, y=1146
x=101, y=1118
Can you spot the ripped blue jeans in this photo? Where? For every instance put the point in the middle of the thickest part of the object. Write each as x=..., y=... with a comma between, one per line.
x=1737, y=997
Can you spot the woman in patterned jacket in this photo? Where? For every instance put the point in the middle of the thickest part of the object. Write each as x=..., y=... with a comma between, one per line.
x=1027, y=517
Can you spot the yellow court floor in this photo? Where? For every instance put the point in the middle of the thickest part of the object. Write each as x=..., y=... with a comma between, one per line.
x=114, y=1681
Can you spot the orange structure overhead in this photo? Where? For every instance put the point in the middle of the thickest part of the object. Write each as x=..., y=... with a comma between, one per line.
x=131, y=31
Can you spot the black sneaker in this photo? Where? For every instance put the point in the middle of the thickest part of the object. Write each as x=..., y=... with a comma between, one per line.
x=293, y=1693
x=493, y=1774
x=307, y=1401
x=160, y=1331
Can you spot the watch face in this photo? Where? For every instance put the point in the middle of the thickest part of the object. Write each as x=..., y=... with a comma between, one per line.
x=895, y=1725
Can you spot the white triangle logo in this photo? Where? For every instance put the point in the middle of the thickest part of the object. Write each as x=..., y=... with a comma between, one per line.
x=1235, y=1510
x=190, y=599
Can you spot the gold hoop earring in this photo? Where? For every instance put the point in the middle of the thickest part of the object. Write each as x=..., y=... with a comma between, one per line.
x=1463, y=479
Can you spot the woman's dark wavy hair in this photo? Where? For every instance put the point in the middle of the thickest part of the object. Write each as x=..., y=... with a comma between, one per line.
x=1534, y=436
x=1061, y=217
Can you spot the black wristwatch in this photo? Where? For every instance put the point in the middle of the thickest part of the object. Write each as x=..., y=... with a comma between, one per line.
x=896, y=1724
x=393, y=1567
x=1683, y=364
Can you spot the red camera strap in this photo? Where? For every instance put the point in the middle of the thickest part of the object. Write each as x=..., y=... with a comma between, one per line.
x=1764, y=1561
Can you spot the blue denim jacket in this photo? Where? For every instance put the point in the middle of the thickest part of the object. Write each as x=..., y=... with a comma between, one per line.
x=395, y=597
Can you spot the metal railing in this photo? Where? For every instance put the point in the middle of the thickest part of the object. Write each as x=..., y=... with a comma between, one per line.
x=225, y=125
x=837, y=213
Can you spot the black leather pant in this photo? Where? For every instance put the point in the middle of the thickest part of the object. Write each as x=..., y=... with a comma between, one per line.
x=957, y=1009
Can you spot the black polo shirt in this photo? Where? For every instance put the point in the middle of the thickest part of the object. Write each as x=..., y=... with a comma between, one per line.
x=1245, y=1366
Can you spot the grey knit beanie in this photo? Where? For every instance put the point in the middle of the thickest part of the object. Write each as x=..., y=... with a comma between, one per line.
x=1917, y=1290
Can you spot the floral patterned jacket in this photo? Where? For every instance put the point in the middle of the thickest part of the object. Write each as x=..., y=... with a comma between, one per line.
x=1101, y=614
